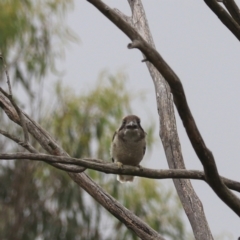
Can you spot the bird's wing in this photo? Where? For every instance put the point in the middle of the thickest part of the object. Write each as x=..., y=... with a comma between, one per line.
x=144, y=150
x=114, y=136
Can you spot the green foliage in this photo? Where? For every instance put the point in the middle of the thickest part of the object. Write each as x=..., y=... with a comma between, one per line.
x=29, y=29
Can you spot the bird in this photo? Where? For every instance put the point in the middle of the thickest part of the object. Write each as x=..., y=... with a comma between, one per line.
x=128, y=145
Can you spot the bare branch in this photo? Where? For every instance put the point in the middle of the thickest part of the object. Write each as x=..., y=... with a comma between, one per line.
x=203, y=153
x=22, y=120
x=25, y=145
x=233, y=9
x=123, y=16
x=7, y=75
x=168, y=133
x=224, y=17
x=115, y=208
x=30, y=148
x=113, y=168
x=20, y=114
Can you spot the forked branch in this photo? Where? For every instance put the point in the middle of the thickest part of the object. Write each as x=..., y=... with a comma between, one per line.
x=203, y=153
x=231, y=22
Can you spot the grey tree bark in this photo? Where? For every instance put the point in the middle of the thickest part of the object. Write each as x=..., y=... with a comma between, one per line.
x=168, y=132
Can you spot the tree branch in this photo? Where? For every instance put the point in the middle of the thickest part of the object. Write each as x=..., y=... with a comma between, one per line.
x=7, y=75
x=113, y=168
x=224, y=17
x=168, y=132
x=19, y=112
x=25, y=145
x=203, y=153
x=10, y=97
x=233, y=9
x=115, y=208
x=31, y=149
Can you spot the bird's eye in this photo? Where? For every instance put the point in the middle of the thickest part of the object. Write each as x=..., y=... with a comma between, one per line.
x=138, y=121
x=124, y=121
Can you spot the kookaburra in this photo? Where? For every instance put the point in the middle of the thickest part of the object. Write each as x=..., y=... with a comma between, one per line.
x=128, y=145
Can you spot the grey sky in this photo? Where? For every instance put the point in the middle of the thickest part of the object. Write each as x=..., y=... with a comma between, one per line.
x=202, y=52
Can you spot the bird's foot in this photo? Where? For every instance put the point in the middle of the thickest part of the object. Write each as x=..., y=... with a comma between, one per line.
x=119, y=164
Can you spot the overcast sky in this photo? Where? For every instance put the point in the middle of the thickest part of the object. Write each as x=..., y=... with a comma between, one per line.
x=202, y=52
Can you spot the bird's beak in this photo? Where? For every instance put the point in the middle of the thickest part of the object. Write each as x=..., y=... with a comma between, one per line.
x=131, y=125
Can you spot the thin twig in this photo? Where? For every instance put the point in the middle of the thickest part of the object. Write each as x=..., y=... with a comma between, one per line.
x=25, y=145
x=8, y=78
x=31, y=149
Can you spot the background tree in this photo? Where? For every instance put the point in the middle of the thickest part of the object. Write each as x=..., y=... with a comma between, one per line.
x=29, y=32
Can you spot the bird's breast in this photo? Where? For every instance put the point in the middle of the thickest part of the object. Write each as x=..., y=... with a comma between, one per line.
x=127, y=152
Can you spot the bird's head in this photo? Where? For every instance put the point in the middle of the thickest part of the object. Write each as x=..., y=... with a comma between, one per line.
x=131, y=127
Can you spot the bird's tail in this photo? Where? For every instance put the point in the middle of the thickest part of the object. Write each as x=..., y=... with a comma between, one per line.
x=125, y=178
